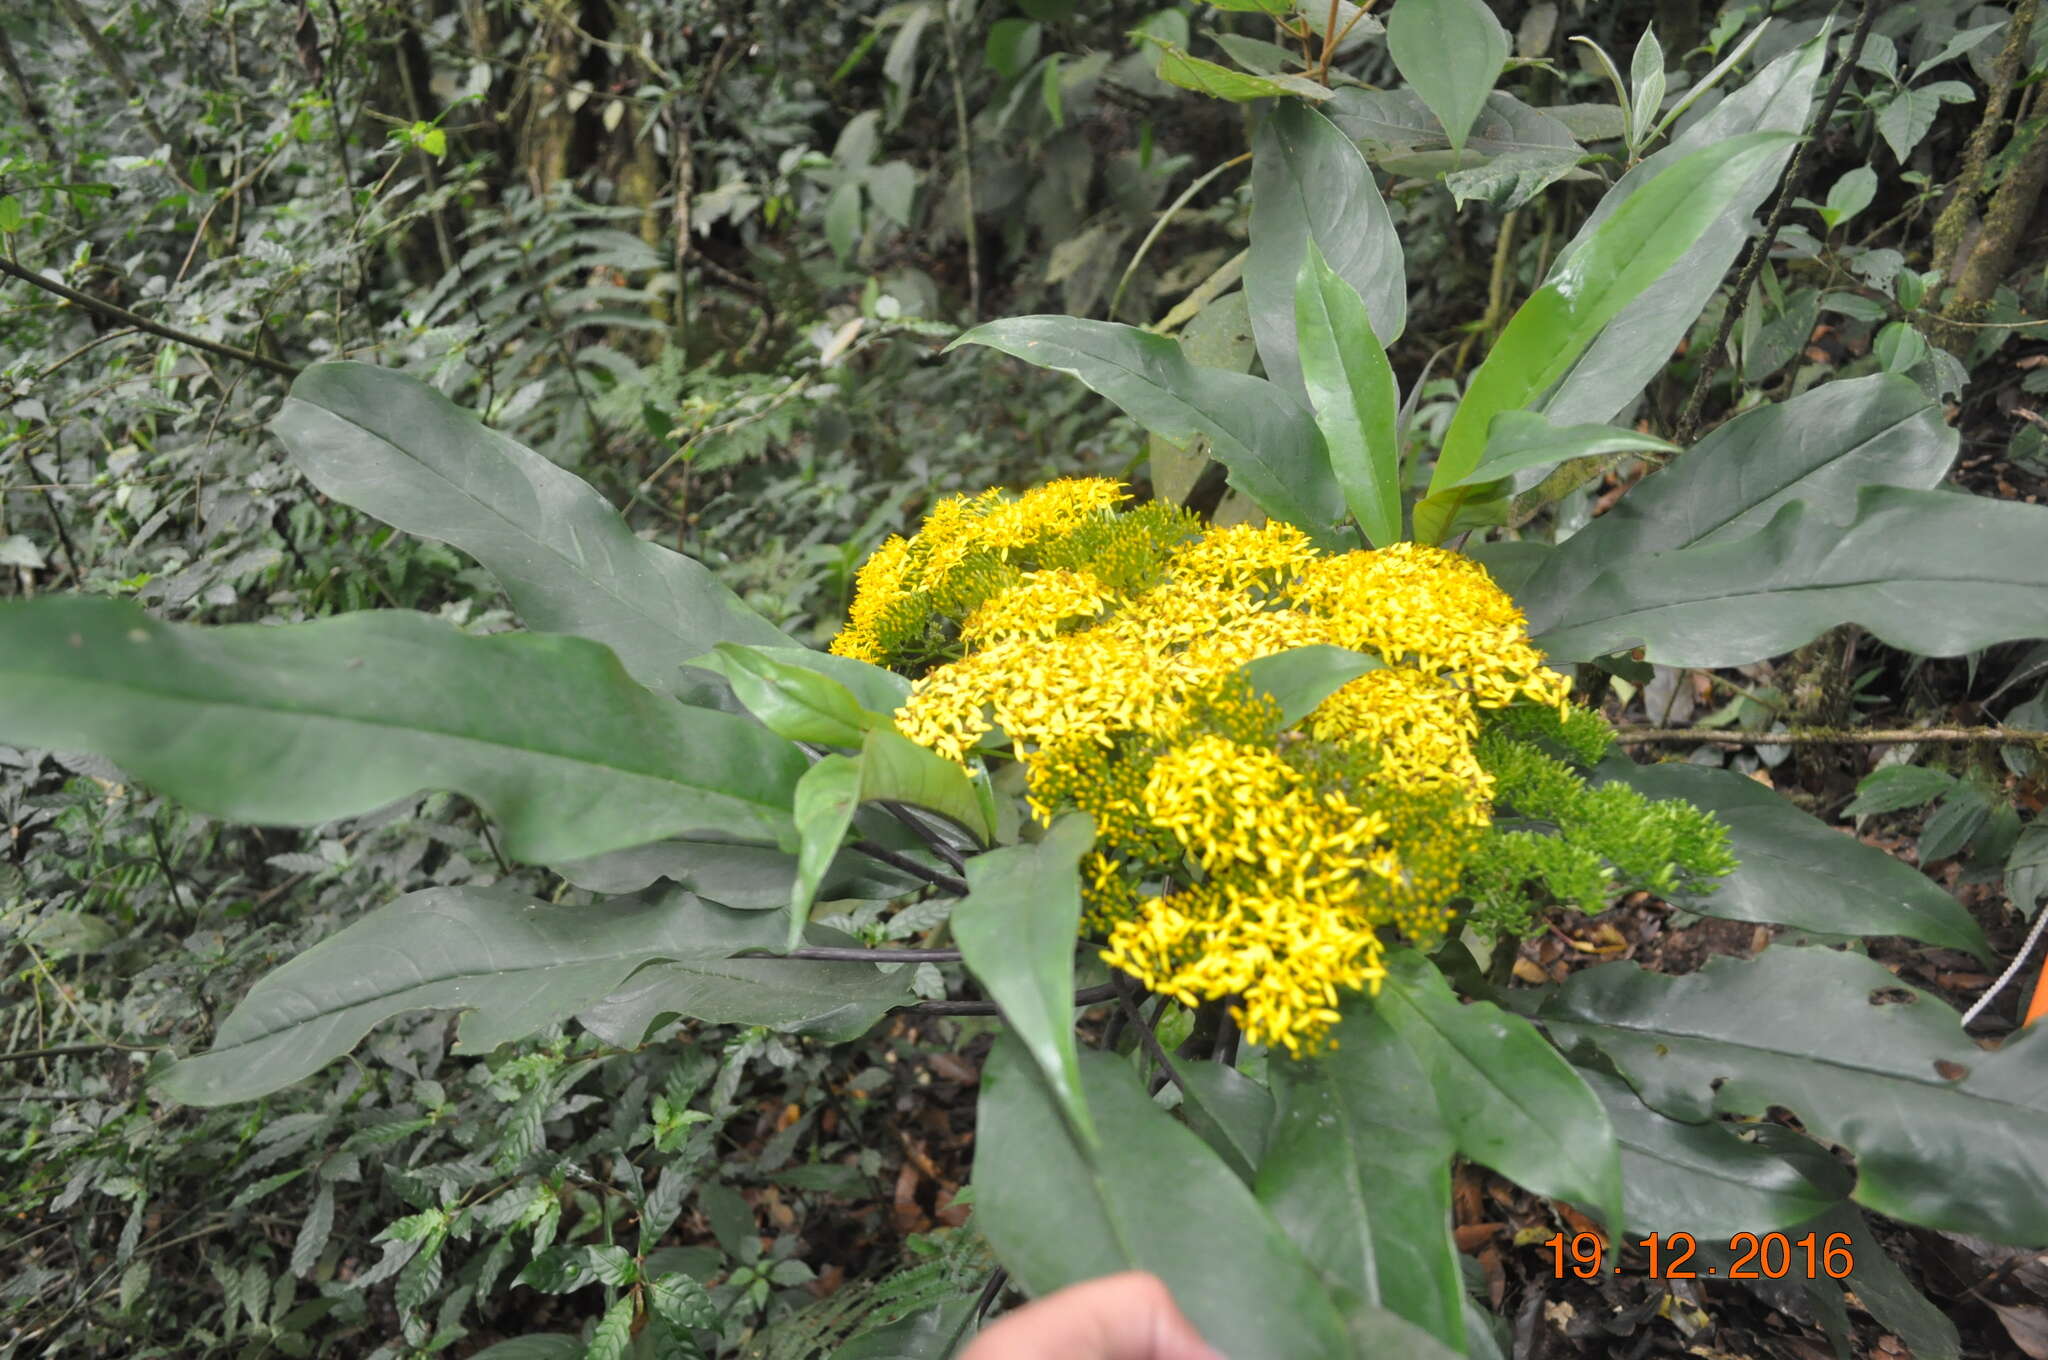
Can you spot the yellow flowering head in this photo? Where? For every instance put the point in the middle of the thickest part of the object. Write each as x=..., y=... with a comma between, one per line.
x=1237, y=854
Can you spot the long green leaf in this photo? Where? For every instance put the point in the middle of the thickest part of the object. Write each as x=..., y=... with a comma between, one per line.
x=1522, y=440
x=1016, y=928
x=1268, y=442
x=825, y=801
x=748, y=877
x=1351, y=386
x=1451, y=51
x=510, y=964
x=1358, y=1173
x=1932, y=572
x=793, y=701
x=1232, y=1113
x=1944, y=1134
x=833, y=1002
x=1645, y=236
x=303, y=724
x=1635, y=346
x=1509, y=1101
x=1700, y=1178
x=1310, y=183
x=1821, y=447
x=1793, y=870
x=393, y=447
x=1152, y=1196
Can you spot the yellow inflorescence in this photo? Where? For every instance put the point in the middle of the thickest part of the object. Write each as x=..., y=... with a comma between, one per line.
x=1233, y=859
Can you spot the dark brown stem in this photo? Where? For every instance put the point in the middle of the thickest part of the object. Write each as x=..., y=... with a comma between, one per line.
x=956, y=887
x=143, y=323
x=1789, y=189
x=1087, y=996
x=1145, y=1034
x=838, y=954
x=2016, y=736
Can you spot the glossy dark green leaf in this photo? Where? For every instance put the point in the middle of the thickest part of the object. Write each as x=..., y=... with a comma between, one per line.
x=1310, y=183
x=302, y=724
x=1522, y=440
x=1016, y=928
x=1268, y=441
x=1351, y=388
x=833, y=1001
x=1150, y=1196
x=1944, y=1134
x=1638, y=342
x=1232, y=1113
x=1509, y=1101
x=1821, y=447
x=1358, y=1174
x=792, y=701
x=393, y=447
x=1646, y=235
x=511, y=964
x=896, y=769
x=928, y=1334
x=1700, y=1178
x=1796, y=871
x=1931, y=572
x=1896, y=787
x=1451, y=52
x=1300, y=678
x=825, y=801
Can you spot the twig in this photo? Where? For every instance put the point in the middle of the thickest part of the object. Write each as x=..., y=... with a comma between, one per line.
x=956, y=887
x=1892, y=736
x=838, y=954
x=925, y=832
x=69, y=1050
x=143, y=323
x=1086, y=996
x=965, y=132
x=1145, y=1034
x=1789, y=188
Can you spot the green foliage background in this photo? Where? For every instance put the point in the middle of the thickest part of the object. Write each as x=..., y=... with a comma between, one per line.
x=704, y=255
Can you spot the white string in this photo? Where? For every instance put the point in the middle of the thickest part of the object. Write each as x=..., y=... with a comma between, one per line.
x=2026, y=949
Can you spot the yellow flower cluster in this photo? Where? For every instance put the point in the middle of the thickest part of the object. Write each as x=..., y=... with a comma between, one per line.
x=1233, y=858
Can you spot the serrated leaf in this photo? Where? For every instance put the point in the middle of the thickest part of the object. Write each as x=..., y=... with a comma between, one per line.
x=681, y=1302
x=1898, y=786
x=306, y=723
x=314, y=1232
x=394, y=448
x=614, y=1331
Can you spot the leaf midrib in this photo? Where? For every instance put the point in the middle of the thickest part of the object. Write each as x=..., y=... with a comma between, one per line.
x=75, y=683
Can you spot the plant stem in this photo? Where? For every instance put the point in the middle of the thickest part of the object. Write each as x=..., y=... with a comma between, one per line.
x=956, y=887
x=1145, y=1034
x=1821, y=736
x=143, y=323
x=1789, y=188
x=1087, y=996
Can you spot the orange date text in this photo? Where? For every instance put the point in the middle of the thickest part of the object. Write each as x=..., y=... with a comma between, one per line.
x=1767, y=1256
